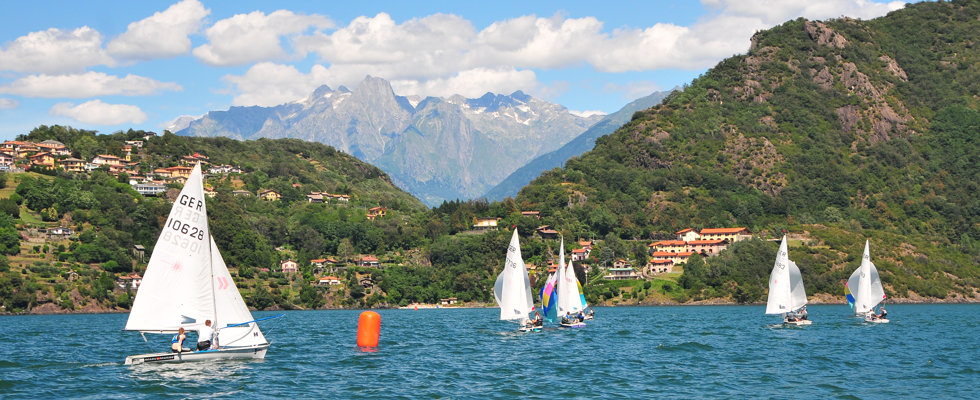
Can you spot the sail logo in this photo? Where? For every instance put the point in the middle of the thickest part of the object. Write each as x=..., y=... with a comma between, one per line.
x=223, y=283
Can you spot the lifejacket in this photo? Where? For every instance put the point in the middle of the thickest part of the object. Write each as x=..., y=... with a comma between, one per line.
x=176, y=338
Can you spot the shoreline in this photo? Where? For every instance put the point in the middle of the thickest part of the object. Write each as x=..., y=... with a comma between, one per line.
x=421, y=306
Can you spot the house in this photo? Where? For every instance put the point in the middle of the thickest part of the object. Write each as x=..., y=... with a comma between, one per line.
x=196, y=158
x=241, y=193
x=315, y=197
x=179, y=171
x=288, y=266
x=135, y=143
x=54, y=147
x=485, y=223
x=60, y=232
x=580, y=254
x=149, y=189
x=269, y=195
x=108, y=159
x=677, y=258
x=6, y=159
x=671, y=246
x=376, y=212
x=131, y=281
x=139, y=251
x=546, y=232
x=707, y=247
x=224, y=169
x=72, y=164
x=657, y=267
x=731, y=234
x=369, y=261
x=43, y=159
x=585, y=244
x=621, y=273
x=687, y=234
x=448, y=302
x=210, y=192
x=533, y=214
x=552, y=267
x=328, y=281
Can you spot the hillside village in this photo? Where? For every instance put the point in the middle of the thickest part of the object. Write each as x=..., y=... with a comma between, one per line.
x=333, y=274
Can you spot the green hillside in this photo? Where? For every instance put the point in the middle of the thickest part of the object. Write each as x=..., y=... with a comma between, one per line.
x=834, y=131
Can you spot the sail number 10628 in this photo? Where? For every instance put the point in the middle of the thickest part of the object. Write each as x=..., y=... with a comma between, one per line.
x=187, y=229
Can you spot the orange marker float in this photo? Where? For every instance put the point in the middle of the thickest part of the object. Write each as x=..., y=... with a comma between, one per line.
x=368, y=329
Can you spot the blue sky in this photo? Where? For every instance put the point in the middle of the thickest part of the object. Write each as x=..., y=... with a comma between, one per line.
x=110, y=65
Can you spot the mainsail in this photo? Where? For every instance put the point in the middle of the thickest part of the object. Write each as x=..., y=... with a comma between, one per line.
x=786, y=292
x=866, y=284
x=186, y=281
x=569, y=300
x=512, y=289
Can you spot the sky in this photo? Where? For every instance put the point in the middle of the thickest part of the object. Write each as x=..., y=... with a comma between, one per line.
x=111, y=65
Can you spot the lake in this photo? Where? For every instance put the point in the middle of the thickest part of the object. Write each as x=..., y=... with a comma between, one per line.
x=927, y=351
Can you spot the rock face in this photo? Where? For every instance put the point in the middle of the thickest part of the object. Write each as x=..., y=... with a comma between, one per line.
x=435, y=148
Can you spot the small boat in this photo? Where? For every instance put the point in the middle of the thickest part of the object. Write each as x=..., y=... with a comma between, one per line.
x=569, y=298
x=187, y=283
x=867, y=290
x=786, y=293
x=512, y=289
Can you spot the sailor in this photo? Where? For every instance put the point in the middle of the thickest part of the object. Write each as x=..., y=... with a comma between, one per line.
x=177, y=344
x=204, y=336
x=803, y=313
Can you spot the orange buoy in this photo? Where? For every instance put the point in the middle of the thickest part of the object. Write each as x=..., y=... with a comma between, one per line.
x=368, y=329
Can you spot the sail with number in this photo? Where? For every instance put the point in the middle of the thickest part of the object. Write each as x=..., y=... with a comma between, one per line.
x=512, y=289
x=186, y=280
x=865, y=284
x=786, y=292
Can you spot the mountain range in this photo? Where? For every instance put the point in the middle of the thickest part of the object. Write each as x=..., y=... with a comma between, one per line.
x=435, y=148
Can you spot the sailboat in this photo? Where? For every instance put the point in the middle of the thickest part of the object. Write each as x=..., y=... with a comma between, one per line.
x=569, y=300
x=187, y=283
x=786, y=293
x=866, y=286
x=512, y=289
x=549, y=308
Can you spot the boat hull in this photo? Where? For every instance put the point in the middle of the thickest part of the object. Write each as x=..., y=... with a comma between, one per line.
x=876, y=320
x=237, y=353
x=573, y=325
x=801, y=322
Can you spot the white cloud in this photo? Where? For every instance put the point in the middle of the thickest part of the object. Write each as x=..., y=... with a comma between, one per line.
x=55, y=51
x=444, y=54
x=268, y=84
x=254, y=37
x=98, y=113
x=88, y=84
x=164, y=34
x=470, y=83
x=6, y=103
x=586, y=114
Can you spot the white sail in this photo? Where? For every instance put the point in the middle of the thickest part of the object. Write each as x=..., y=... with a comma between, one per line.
x=186, y=281
x=568, y=301
x=512, y=289
x=797, y=292
x=786, y=291
x=866, y=284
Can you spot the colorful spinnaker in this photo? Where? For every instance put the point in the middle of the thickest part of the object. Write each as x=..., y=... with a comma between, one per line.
x=548, y=299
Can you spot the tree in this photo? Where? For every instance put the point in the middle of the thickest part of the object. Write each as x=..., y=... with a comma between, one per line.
x=345, y=250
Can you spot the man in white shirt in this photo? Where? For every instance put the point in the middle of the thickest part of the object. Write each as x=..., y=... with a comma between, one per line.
x=204, y=336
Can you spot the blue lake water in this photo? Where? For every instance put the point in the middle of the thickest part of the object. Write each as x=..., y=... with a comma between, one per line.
x=927, y=351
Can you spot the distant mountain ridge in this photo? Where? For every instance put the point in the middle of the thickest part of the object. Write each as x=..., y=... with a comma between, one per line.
x=584, y=142
x=435, y=148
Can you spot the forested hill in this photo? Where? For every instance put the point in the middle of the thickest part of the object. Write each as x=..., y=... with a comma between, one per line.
x=834, y=131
